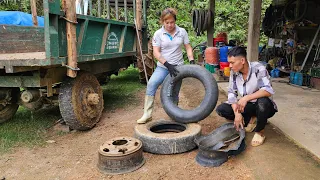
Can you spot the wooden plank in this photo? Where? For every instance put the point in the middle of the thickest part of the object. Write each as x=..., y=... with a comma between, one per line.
x=122, y=40
x=18, y=39
x=104, y=38
x=82, y=35
x=34, y=12
x=254, y=30
x=19, y=56
x=71, y=37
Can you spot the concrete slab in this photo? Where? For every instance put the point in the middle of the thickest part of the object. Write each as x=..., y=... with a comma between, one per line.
x=298, y=116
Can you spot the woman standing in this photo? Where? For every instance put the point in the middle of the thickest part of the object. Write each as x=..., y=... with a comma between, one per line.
x=167, y=49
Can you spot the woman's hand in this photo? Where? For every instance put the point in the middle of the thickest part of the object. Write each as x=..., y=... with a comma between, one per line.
x=172, y=69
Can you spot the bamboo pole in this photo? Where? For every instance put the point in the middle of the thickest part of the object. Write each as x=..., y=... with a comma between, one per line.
x=34, y=12
x=70, y=10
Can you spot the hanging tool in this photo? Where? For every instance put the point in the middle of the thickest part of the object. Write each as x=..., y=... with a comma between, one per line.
x=139, y=42
x=306, y=58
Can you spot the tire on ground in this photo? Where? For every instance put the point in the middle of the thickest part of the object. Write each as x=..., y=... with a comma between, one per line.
x=169, y=90
x=155, y=141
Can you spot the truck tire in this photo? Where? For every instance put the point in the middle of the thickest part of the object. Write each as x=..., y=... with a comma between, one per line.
x=75, y=108
x=207, y=105
x=9, y=110
x=154, y=140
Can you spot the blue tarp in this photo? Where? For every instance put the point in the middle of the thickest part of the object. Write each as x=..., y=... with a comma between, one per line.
x=18, y=18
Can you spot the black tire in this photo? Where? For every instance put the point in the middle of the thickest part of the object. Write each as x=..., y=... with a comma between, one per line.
x=9, y=110
x=76, y=112
x=168, y=91
x=154, y=141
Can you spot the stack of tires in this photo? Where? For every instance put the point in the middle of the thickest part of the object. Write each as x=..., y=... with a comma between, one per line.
x=184, y=124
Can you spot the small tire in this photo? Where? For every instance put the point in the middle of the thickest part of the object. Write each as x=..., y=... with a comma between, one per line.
x=168, y=91
x=155, y=141
x=9, y=110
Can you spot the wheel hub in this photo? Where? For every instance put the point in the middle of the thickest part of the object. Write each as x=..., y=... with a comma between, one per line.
x=89, y=101
x=120, y=155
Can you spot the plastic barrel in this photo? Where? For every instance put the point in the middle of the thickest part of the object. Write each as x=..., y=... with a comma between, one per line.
x=224, y=64
x=226, y=71
x=211, y=55
x=224, y=54
x=298, y=79
x=292, y=77
x=211, y=67
x=218, y=39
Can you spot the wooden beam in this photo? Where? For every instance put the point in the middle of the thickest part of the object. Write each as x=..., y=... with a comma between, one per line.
x=34, y=12
x=210, y=29
x=254, y=30
x=71, y=37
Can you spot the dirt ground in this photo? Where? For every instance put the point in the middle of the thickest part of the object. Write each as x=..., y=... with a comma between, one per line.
x=74, y=155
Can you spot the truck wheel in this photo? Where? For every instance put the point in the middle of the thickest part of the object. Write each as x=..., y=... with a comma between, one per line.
x=81, y=101
x=9, y=108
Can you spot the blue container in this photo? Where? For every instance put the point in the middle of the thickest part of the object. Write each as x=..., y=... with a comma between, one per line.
x=292, y=77
x=275, y=73
x=224, y=54
x=298, y=79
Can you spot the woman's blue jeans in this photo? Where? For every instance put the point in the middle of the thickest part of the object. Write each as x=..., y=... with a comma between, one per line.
x=156, y=80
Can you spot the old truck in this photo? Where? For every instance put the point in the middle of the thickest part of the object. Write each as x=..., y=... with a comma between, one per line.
x=35, y=61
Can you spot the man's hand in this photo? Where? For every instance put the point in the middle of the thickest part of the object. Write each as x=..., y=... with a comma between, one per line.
x=238, y=121
x=172, y=69
x=242, y=104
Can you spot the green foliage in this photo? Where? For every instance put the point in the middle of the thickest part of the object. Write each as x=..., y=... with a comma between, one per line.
x=231, y=16
x=27, y=128
x=121, y=89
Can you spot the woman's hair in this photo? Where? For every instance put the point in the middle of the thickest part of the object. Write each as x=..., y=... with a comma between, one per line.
x=167, y=13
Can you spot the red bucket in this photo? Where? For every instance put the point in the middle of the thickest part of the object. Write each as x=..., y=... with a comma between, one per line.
x=218, y=39
x=224, y=64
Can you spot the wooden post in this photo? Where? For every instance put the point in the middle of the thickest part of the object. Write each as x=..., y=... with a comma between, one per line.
x=99, y=8
x=254, y=30
x=295, y=38
x=210, y=29
x=34, y=12
x=70, y=10
x=117, y=9
x=125, y=11
x=139, y=21
x=139, y=27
